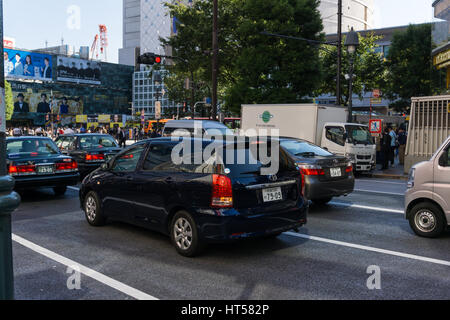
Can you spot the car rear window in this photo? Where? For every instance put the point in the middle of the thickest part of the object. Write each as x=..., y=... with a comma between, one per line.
x=303, y=148
x=94, y=142
x=31, y=148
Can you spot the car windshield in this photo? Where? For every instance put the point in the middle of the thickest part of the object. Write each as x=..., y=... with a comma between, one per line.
x=359, y=135
x=95, y=142
x=302, y=148
x=24, y=148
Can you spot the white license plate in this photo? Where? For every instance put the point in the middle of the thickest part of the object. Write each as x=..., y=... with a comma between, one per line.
x=273, y=194
x=45, y=169
x=335, y=172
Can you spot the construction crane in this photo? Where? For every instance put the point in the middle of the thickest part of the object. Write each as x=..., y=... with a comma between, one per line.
x=103, y=40
x=100, y=42
x=94, y=48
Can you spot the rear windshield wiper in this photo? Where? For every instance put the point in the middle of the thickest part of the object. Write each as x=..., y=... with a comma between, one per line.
x=306, y=154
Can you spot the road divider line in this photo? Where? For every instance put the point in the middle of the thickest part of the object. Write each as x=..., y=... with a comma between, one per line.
x=358, y=206
x=372, y=249
x=132, y=292
x=380, y=192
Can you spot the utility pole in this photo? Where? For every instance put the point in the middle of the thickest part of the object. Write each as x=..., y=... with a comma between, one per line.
x=339, y=54
x=9, y=200
x=215, y=60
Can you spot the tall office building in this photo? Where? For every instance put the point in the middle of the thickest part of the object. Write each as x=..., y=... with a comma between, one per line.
x=355, y=13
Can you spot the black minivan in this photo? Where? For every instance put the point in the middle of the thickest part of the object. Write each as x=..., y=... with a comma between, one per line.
x=210, y=201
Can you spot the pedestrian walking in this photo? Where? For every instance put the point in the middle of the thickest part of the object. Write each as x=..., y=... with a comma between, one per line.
x=386, y=149
x=393, y=146
x=402, y=139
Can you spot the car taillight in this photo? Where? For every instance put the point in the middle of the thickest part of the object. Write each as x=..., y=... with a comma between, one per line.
x=22, y=170
x=222, y=192
x=311, y=170
x=95, y=157
x=67, y=166
x=349, y=167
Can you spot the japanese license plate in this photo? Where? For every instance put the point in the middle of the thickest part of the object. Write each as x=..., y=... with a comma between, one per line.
x=273, y=194
x=45, y=170
x=335, y=172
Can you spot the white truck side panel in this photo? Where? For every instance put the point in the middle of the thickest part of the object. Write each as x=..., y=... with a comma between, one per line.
x=293, y=120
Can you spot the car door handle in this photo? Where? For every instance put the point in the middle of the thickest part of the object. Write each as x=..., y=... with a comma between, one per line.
x=170, y=180
x=130, y=179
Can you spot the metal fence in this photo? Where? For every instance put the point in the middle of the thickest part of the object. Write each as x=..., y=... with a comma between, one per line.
x=429, y=125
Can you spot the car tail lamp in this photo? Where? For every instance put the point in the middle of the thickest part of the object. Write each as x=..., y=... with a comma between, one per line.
x=67, y=166
x=22, y=170
x=222, y=192
x=349, y=167
x=94, y=157
x=311, y=170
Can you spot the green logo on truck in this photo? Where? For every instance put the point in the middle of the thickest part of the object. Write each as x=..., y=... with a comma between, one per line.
x=266, y=116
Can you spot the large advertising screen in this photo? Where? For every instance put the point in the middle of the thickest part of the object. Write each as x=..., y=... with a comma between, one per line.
x=78, y=70
x=27, y=65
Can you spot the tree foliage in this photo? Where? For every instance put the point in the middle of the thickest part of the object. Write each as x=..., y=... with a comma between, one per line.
x=253, y=68
x=411, y=72
x=369, y=69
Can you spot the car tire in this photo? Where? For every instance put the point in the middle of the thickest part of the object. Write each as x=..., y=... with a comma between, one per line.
x=321, y=201
x=427, y=220
x=60, y=191
x=93, y=210
x=184, y=235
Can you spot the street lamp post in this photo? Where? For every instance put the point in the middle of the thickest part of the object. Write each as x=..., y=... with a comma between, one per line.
x=9, y=200
x=351, y=43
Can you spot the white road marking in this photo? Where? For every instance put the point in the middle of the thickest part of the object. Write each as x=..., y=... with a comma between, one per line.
x=379, y=181
x=380, y=192
x=372, y=249
x=357, y=206
x=132, y=292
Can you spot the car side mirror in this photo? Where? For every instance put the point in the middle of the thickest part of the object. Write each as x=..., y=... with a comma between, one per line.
x=105, y=166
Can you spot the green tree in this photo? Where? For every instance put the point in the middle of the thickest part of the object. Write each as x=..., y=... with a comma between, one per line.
x=269, y=69
x=411, y=72
x=9, y=101
x=369, y=69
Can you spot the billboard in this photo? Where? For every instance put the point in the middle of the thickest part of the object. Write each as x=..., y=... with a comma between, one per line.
x=78, y=70
x=27, y=65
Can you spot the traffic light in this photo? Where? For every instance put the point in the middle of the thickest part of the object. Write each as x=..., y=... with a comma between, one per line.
x=149, y=58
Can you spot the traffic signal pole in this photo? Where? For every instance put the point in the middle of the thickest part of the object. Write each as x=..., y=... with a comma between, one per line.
x=9, y=200
x=215, y=60
x=339, y=54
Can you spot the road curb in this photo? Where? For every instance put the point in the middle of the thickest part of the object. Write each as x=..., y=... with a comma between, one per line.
x=390, y=176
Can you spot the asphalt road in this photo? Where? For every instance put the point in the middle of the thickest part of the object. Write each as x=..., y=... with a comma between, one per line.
x=328, y=259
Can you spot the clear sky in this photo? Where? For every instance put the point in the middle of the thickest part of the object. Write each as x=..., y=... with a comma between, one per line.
x=32, y=22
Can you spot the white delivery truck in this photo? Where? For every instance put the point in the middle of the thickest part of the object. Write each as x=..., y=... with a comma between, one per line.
x=324, y=126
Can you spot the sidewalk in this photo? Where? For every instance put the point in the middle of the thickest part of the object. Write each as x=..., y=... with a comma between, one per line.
x=396, y=172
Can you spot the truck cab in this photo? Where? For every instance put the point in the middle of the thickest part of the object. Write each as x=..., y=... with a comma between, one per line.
x=353, y=141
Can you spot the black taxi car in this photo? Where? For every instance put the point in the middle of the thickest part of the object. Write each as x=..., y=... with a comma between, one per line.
x=36, y=162
x=90, y=150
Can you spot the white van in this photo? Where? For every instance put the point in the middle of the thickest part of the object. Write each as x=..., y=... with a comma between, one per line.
x=195, y=127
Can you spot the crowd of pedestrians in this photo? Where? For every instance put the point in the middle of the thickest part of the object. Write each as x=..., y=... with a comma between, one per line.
x=393, y=146
x=122, y=135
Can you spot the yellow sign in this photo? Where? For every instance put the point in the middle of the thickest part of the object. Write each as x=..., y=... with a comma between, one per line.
x=92, y=124
x=375, y=101
x=120, y=124
x=448, y=108
x=442, y=60
x=104, y=118
x=81, y=118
